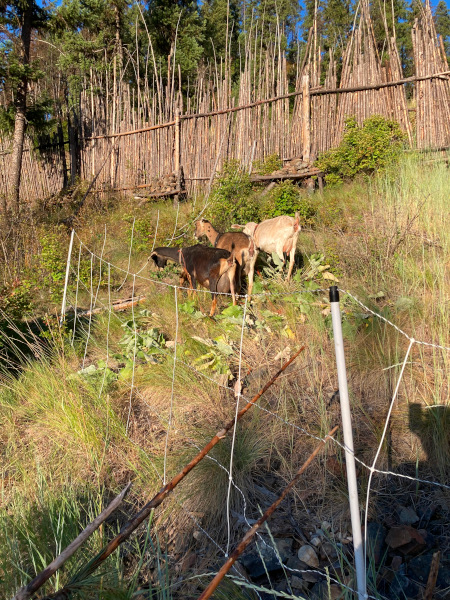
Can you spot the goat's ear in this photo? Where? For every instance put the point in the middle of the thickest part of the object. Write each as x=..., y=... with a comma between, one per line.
x=237, y=226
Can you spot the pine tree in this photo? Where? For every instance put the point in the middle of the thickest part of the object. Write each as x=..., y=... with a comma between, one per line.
x=177, y=31
x=442, y=22
x=18, y=19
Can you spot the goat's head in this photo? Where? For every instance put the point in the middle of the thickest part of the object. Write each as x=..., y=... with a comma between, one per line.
x=160, y=262
x=202, y=227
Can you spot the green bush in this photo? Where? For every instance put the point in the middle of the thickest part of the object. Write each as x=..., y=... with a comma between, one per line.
x=15, y=299
x=142, y=232
x=268, y=165
x=374, y=146
x=52, y=261
x=231, y=200
x=287, y=199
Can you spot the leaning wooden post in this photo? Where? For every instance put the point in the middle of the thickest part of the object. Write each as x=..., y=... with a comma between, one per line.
x=177, y=153
x=306, y=116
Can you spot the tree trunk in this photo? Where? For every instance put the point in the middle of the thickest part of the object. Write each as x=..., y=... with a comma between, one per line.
x=21, y=108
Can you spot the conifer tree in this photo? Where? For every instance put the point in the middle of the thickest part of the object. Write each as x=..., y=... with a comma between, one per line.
x=18, y=19
x=442, y=22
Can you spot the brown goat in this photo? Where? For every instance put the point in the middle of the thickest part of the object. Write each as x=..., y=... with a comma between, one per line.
x=245, y=250
x=212, y=268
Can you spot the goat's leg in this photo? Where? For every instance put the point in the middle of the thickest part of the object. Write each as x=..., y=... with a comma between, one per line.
x=213, y=305
x=232, y=287
x=291, y=261
x=251, y=274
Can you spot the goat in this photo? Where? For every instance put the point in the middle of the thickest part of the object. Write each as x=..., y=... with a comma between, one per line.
x=246, y=253
x=277, y=235
x=213, y=268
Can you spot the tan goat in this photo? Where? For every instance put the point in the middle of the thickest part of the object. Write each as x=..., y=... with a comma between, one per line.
x=244, y=248
x=277, y=235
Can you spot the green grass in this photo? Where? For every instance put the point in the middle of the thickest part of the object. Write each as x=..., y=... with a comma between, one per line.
x=65, y=446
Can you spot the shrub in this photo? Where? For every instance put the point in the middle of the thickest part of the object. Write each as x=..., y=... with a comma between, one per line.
x=267, y=166
x=15, y=299
x=231, y=199
x=52, y=261
x=142, y=232
x=286, y=199
x=374, y=146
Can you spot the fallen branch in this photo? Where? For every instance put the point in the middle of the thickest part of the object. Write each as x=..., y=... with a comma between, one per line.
x=252, y=531
x=30, y=589
x=432, y=577
x=133, y=523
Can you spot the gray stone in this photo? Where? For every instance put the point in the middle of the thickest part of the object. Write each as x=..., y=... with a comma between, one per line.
x=308, y=555
x=328, y=551
x=297, y=583
x=402, y=587
x=284, y=547
x=254, y=561
x=407, y=516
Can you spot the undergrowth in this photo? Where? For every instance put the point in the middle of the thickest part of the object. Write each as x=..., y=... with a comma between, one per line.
x=84, y=413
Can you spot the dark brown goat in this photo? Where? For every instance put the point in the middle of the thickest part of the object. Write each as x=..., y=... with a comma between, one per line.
x=212, y=268
x=245, y=250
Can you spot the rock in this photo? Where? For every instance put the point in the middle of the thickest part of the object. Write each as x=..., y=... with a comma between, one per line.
x=310, y=577
x=253, y=563
x=284, y=547
x=376, y=534
x=308, y=555
x=320, y=591
x=407, y=539
x=328, y=551
x=297, y=583
x=315, y=541
x=407, y=516
x=325, y=526
x=396, y=563
x=402, y=587
x=419, y=569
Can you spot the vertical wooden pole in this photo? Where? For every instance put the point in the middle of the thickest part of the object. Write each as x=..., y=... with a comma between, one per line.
x=306, y=115
x=177, y=153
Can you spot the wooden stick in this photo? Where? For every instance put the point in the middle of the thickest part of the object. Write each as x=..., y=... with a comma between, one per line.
x=432, y=577
x=30, y=589
x=129, y=527
x=252, y=531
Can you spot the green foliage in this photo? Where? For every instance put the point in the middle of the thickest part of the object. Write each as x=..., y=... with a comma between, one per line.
x=15, y=299
x=231, y=200
x=286, y=199
x=143, y=228
x=52, y=262
x=374, y=146
x=267, y=166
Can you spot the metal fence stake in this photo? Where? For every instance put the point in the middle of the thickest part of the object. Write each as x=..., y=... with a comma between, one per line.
x=348, y=442
x=66, y=281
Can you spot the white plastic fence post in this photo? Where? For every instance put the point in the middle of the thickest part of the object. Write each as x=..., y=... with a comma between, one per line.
x=63, y=306
x=348, y=442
